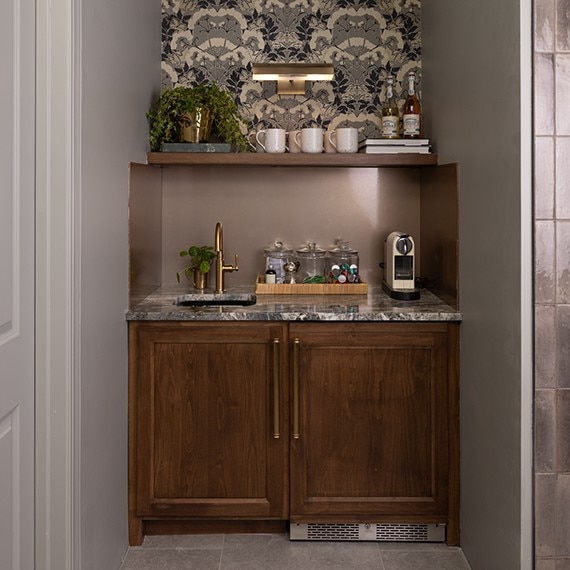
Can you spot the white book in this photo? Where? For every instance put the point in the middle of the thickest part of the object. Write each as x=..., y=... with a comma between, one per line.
x=395, y=142
x=395, y=150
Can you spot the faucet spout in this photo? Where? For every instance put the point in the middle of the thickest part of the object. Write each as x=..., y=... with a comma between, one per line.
x=219, y=238
x=221, y=267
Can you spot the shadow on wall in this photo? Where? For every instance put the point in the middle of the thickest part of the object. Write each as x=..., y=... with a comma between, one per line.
x=218, y=40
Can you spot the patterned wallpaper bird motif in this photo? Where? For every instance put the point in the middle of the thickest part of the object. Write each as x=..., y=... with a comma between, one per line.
x=219, y=40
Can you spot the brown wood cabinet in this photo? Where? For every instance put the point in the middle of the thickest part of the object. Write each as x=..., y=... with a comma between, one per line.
x=374, y=423
x=207, y=436
x=308, y=422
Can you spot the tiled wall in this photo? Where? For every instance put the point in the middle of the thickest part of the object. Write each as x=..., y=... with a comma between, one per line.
x=552, y=284
x=219, y=40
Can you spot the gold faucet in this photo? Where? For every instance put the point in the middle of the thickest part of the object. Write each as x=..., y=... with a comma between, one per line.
x=220, y=267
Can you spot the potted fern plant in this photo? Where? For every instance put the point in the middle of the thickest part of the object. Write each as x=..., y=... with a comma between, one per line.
x=202, y=112
x=201, y=258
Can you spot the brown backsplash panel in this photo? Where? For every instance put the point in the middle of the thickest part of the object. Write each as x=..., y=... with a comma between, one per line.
x=258, y=206
x=440, y=231
x=145, y=230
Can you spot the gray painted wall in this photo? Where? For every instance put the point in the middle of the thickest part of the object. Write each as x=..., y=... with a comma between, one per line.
x=472, y=95
x=120, y=72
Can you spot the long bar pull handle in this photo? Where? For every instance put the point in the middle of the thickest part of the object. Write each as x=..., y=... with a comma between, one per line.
x=296, y=346
x=276, y=371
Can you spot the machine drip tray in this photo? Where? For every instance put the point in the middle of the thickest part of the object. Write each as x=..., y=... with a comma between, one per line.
x=368, y=532
x=401, y=294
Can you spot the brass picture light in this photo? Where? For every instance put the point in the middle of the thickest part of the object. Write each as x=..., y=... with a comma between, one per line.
x=291, y=77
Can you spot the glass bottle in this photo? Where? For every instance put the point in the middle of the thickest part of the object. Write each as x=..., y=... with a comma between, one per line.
x=412, y=116
x=390, y=113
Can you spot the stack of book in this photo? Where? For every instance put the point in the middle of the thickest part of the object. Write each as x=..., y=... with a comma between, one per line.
x=395, y=146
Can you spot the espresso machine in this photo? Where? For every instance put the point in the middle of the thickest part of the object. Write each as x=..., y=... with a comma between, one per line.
x=399, y=267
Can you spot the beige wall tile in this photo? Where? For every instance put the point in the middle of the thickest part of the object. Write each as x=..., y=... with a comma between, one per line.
x=545, y=276
x=562, y=177
x=544, y=94
x=562, y=523
x=562, y=261
x=563, y=431
x=545, y=431
x=544, y=178
x=544, y=22
x=562, y=85
x=545, y=495
x=563, y=24
x=562, y=354
x=545, y=340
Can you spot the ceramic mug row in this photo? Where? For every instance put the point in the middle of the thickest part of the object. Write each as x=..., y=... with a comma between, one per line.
x=309, y=140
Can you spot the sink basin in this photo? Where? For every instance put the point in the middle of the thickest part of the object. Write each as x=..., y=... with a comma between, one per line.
x=215, y=299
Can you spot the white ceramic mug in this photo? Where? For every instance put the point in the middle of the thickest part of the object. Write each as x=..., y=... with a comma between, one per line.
x=344, y=139
x=252, y=140
x=272, y=140
x=311, y=139
x=294, y=146
x=329, y=148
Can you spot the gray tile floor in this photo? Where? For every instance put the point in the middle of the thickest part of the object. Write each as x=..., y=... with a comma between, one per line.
x=277, y=552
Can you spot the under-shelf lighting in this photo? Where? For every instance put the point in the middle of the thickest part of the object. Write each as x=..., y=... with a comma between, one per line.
x=291, y=77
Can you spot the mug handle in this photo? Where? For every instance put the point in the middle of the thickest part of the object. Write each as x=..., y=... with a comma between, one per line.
x=296, y=139
x=330, y=136
x=257, y=138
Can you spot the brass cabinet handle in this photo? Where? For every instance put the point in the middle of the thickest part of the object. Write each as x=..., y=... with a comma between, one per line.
x=276, y=430
x=296, y=345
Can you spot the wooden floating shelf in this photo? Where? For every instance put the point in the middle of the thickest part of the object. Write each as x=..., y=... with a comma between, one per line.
x=357, y=160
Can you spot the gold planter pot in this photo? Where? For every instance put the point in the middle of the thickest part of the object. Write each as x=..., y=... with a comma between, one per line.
x=200, y=280
x=197, y=126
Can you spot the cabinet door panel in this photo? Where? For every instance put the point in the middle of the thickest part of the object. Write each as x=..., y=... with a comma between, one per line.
x=207, y=427
x=205, y=445
x=373, y=422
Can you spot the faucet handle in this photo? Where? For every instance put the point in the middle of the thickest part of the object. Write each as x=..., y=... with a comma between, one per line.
x=236, y=259
x=230, y=268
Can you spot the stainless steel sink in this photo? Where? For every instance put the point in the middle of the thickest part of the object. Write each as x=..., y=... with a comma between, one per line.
x=215, y=299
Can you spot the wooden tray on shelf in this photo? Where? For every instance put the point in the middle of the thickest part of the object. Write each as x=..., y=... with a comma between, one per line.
x=262, y=288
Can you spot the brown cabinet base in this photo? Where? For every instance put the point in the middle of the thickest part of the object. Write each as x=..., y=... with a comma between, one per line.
x=304, y=422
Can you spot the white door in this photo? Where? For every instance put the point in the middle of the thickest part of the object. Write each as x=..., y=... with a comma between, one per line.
x=17, y=99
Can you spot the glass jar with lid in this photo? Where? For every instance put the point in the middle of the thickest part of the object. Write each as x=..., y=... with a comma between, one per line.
x=342, y=264
x=276, y=255
x=312, y=263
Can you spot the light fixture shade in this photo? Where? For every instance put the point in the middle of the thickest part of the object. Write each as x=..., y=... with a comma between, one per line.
x=291, y=77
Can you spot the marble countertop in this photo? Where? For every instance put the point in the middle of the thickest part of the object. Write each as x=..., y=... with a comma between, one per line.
x=376, y=306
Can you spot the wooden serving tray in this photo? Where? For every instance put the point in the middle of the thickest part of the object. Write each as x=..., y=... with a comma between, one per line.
x=262, y=288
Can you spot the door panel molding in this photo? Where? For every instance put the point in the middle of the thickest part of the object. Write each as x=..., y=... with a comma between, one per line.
x=10, y=477
x=58, y=517
x=10, y=95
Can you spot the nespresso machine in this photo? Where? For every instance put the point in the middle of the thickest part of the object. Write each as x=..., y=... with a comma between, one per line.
x=399, y=267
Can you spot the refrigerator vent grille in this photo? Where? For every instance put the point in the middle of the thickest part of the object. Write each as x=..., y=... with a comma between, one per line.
x=412, y=532
x=333, y=532
x=369, y=532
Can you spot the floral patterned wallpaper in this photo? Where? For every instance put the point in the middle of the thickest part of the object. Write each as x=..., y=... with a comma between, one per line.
x=219, y=40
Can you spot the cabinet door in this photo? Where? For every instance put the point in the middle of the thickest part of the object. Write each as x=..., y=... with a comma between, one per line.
x=206, y=401
x=370, y=431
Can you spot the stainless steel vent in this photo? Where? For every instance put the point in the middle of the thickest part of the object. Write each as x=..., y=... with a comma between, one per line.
x=370, y=532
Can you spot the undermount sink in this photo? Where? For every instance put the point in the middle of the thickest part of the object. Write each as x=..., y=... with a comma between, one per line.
x=215, y=299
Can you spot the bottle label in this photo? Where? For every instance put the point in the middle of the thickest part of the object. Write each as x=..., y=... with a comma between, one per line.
x=411, y=125
x=277, y=267
x=390, y=126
